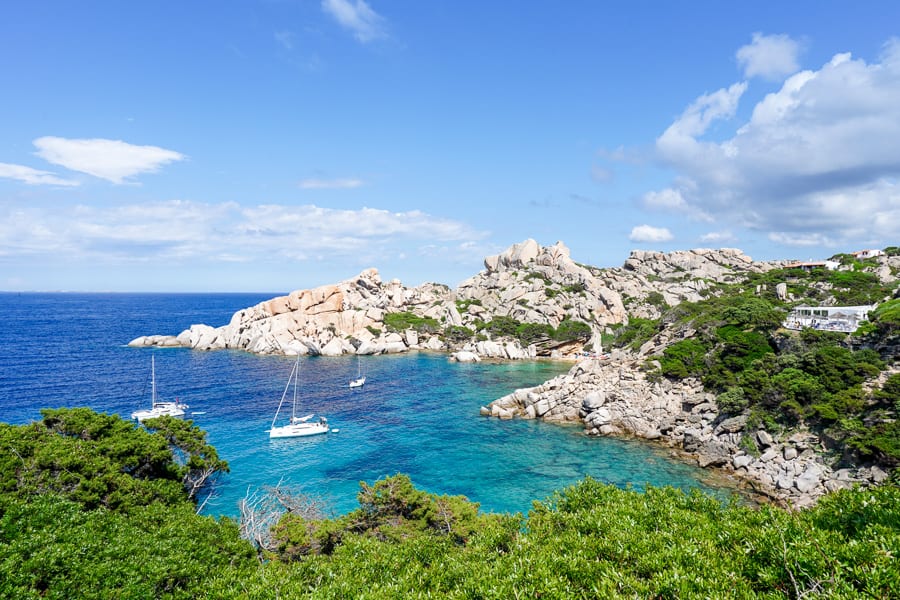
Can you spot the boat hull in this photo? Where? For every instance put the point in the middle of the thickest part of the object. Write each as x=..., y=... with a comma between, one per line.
x=159, y=411
x=298, y=430
x=358, y=382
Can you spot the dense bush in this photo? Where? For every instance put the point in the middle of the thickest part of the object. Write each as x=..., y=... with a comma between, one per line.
x=530, y=333
x=570, y=329
x=738, y=349
x=590, y=540
x=401, y=321
x=683, y=359
x=458, y=333
x=101, y=460
x=637, y=332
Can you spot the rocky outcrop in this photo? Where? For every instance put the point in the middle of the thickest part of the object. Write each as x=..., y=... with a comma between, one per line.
x=535, y=284
x=329, y=320
x=615, y=397
x=649, y=281
x=528, y=282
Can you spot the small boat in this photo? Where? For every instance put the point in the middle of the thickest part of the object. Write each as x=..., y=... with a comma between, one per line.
x=360, y=378
x=297, y=426
x=158, y=408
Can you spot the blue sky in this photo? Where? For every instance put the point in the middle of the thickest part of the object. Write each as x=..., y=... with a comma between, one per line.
x=282, y=144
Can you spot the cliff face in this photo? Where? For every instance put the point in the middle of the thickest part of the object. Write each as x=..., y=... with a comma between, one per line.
x=527, y=282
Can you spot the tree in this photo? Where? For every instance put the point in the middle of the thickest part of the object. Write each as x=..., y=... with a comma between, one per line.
x=199, y=462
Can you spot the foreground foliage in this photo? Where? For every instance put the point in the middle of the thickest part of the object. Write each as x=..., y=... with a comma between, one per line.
x=588, y=541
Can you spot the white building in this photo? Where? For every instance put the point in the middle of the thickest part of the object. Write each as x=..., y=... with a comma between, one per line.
x=844, y=319
x=861, y=254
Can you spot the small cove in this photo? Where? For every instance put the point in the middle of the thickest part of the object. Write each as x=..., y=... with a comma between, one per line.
x=417, y=413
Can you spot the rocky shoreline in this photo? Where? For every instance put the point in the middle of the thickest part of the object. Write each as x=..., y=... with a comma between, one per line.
x=615, y=397
x=543, y=286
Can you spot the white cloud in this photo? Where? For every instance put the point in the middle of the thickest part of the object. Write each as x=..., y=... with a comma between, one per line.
x=672, y=200
x=800, y=239
x=648, y=233
x=358, y=17
x=33, y=176
x=180, y=229
x=330, y=184
x=667, y=199
x=718, y=237
x=769, y=56
x=113, y=160
x=819, y=156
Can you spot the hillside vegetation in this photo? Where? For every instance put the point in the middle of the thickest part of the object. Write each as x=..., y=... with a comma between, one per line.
x=835, y=384
x=95, y=507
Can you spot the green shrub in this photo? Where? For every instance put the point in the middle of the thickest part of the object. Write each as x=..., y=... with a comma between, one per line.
x=572, y=329
x=401, y=321
x=636, y=333
x=732, y=401
x=458, y=333
x=529, y=333
x=683, y=359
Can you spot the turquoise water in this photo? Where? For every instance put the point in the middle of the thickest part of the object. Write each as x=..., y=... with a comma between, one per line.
x=417, y=413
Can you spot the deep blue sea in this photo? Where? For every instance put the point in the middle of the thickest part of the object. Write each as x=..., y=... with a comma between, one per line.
x=417, y=414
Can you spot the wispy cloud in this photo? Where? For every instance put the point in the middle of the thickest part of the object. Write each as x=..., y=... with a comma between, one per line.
x=285, y=39
x=358, y=17
x=330, y=184
x=112, y=160
x=718, y=237
x=650, y=234
x=817, y=162
x=179, y=229
x=33, y=176
x=769, y=56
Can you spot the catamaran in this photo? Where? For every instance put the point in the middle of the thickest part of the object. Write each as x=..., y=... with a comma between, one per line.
x=297, y=426
x=158, y=408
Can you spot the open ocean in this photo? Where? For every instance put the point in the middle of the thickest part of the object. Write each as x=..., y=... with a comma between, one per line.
x=417, y=414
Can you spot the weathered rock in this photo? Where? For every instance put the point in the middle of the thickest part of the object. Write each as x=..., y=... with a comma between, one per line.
x=768, y=455
x=692, y=441
x=781, y=291
x=741, y=461
x=464, y=356
x=732, y=425
x=809, y=479
x=593, y=400
x=764, y=439
x=713, y=454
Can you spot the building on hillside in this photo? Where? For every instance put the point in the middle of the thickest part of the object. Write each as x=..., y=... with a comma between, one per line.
x=861, y=254
x=809, y=265
x=844, y=319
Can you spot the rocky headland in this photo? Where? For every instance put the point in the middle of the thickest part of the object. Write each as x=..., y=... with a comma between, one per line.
x=534, y=291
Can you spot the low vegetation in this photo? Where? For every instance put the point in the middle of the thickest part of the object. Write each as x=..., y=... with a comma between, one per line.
x=531, y=333
x=58, y=540
x=401, y=321
x=735, y=344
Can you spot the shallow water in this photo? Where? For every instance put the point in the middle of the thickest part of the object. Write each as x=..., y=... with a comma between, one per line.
x=417, y=413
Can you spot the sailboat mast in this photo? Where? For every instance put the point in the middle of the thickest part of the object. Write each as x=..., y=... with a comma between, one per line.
x=296, y=377
x=152, y=381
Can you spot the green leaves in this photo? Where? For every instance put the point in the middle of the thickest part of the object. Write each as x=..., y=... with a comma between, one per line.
x=102, y=460
x=589, y=540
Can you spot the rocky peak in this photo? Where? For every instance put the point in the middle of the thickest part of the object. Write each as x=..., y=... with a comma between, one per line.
x=529, y=254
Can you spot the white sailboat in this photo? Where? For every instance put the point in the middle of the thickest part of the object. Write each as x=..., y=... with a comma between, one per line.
x=297, y=426
x=360, y=378
x=158, y=408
